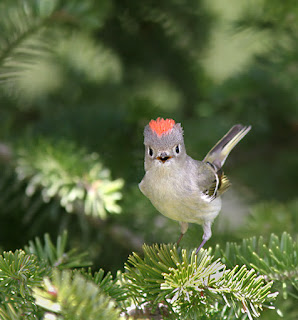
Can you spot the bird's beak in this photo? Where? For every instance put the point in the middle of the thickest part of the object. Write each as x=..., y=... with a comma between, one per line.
x=163, y=157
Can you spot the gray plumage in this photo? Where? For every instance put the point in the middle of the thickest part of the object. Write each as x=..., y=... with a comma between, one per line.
x=180, y=187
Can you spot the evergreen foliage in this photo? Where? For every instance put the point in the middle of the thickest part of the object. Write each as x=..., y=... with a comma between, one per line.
x=112, y=287
x=25, y=284
x=167, y=282
x=25, y=31
x=277, y=260
x=77, y=179
x=73, y=297
x=57, y=256
x=19, y=273
x=78, y=82
x=195, y=286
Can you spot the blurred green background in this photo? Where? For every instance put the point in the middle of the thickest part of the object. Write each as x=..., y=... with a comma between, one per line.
x=79, y=80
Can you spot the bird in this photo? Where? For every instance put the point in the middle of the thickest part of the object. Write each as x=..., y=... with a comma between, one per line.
x=179, y=187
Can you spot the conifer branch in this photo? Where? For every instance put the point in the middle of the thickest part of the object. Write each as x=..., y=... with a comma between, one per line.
x=74, y=297
x=9, y=312
x=20, y=36
x=28, y=26
x=57, y=256
x=277, y=260
x=19, y=273
x=111, y=287
x=69, y=174
x=165, y=284
x=193, y=286
x=22, y=277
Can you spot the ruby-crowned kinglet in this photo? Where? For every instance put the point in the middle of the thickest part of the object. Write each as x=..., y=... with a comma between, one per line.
x=180, y=187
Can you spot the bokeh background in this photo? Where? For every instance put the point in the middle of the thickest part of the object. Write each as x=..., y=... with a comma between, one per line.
x=79, y=80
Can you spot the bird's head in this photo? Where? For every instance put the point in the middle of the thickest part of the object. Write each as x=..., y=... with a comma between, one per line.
x=164, y=143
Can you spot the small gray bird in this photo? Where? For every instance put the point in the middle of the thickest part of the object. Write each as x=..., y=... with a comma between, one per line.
x=180, y=187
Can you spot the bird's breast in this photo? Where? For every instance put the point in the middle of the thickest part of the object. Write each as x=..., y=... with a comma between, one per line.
x=174, y=196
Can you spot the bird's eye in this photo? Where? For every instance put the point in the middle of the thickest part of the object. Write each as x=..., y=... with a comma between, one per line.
x=177, y=149
x=150, y=152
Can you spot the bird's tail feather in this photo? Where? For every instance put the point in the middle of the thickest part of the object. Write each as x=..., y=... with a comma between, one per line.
x=219, y=153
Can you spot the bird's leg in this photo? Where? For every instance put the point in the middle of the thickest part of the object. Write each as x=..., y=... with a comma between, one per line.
x=206, y=236
x=184, y=227
x=201, y=245
x=180, y=237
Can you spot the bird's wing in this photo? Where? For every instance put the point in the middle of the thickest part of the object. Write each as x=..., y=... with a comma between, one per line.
x=216, y=184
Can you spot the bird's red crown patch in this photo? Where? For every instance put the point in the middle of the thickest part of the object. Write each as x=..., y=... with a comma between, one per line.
x=161, y=126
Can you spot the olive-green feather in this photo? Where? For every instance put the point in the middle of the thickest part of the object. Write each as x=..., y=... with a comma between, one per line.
x=224, y=184
x=219, y=153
